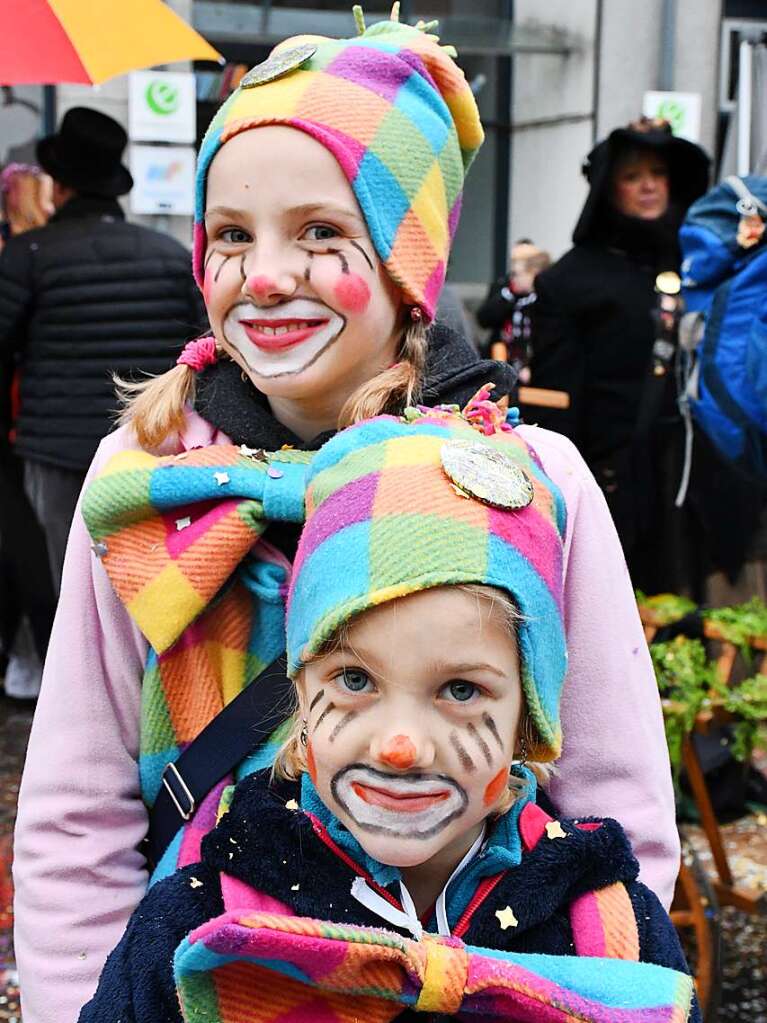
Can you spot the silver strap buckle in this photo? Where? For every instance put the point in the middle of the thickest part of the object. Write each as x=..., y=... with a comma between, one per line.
x=185, y=815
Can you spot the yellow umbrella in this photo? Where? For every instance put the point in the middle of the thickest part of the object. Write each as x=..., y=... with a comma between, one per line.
x=51, y=41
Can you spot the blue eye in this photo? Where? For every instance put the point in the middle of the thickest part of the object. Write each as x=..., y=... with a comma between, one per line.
x=235, y=236
x=460, y=691
x=354, y=680
x=321, y=233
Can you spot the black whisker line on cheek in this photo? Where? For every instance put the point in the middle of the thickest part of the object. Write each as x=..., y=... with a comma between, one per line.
x=493, y=729
x=316, y=700
x=242, y=268
x=324, y=714
x=480, y=742
x=221, y=266
x=342, y=257
x=466, y=762
x=308, y=270
x=208, y=258
x=342, y=724
x=359, y=248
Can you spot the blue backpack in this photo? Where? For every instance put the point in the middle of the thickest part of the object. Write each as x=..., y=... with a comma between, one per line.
x=724, y=333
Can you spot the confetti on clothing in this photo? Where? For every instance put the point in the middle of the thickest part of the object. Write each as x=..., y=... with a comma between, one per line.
x=251, y=967
x=177, y=546
x=398, y=115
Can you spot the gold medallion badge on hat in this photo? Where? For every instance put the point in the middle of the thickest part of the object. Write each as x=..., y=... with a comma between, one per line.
x=486, y=474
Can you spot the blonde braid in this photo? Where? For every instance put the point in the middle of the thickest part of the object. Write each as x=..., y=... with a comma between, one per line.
x=395, y=388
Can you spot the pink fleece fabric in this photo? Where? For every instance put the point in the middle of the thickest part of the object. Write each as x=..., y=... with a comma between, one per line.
x=77, y=873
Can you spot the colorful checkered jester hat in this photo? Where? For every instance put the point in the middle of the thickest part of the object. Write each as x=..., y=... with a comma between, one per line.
x=397, y=505
x=396, y=112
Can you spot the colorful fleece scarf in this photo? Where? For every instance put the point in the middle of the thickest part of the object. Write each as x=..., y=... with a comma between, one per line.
x=256, y=967
x=398, y=115
x=176, y=536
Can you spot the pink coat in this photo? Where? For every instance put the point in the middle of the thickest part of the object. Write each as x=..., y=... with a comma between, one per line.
x=77, y=871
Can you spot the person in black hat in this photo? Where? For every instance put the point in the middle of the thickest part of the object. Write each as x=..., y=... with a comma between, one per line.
x=594, y=330
x=82, y=298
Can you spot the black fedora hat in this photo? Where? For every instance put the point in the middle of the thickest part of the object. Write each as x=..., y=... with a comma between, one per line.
x=86, y=154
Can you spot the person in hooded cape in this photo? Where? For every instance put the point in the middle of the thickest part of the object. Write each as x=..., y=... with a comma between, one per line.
x=593, y=338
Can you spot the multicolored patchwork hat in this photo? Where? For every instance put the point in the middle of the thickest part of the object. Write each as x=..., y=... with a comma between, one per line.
x=398, y=115
x=397, y=505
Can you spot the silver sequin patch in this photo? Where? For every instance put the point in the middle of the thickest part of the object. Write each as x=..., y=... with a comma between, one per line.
x=487, y=474
x=277, y=65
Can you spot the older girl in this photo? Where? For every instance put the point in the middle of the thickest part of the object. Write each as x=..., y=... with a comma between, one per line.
x=329, y=188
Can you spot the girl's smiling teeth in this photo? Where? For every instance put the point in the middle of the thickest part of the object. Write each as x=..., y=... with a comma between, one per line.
x=276, y=335
x=275, y=328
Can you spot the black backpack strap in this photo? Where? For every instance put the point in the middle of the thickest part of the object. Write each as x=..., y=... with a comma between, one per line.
x=240, y=728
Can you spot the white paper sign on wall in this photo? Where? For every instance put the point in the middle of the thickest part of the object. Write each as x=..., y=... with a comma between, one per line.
x=680, y=109
x=163, y=179
x=162, y=106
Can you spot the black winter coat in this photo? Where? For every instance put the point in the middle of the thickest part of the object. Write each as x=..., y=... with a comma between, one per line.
x=279, y=851
x=84, y=297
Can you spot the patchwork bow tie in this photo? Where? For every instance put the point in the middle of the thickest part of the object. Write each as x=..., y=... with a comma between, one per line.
x=244, y=967
x=170, y=531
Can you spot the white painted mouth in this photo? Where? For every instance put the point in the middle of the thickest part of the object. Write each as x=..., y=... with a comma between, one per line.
x=294, y=358
x=449, y=802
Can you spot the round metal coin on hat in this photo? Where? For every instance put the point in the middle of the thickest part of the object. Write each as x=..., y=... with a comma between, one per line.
x=277, y=65
x=487, y=474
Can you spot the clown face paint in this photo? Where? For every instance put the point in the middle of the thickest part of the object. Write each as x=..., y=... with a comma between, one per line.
x=281, y=340
x=294, y=289
x=411, y=744
x=411, y=805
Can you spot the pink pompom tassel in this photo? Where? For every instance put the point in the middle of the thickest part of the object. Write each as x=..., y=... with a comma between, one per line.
x=198, y=354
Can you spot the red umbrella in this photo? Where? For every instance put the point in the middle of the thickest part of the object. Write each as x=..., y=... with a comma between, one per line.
x=48, y=41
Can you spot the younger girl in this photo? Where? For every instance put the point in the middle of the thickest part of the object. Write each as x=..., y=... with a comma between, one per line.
x=426, y=640
x=328, y=190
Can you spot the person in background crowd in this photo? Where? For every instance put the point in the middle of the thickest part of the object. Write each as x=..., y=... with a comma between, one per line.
x=507, y=309
x=596, y=319
x=27, y=601
x=27, y=199
x=81, y=298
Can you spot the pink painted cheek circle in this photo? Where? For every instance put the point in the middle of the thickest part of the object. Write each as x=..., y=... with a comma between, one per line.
x=352, y=293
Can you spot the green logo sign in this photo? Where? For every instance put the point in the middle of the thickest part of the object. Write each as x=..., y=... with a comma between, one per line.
x=162, y=98
x=673, y=112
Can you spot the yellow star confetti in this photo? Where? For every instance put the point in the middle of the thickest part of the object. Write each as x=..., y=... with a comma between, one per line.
x=292, y=805
x=195, y=883
x=506, y=918
x=554, y=830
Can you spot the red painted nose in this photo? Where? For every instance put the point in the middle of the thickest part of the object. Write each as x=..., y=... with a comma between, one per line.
x=399, y=752
x=260, y=285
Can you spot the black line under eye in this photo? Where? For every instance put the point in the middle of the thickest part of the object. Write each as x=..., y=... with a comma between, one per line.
x=461, y=691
